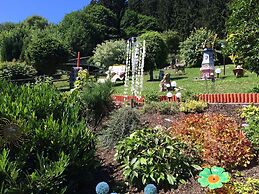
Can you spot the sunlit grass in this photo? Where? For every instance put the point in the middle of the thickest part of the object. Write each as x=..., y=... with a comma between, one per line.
x=190, y=82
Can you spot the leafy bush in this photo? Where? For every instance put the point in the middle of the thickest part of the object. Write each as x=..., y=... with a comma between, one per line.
x=152, y=97
x=44, y=146
x=254, y=90
x=251, y=114
x=250, y=186
x=45, y=53
x=12, y=43
x=96, y=101
x=121, y=123
x=161, y=107
x=192, y=106
x=109, y=53
x=149, y=155
x=250, y=111
x=243, y=31
x=221, y=141
x=189, y=48
x=12, y=71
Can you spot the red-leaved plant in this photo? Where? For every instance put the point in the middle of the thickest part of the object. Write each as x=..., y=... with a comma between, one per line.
x=219, y=138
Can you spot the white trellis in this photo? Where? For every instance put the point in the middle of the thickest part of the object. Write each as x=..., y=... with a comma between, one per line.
x=136, y=51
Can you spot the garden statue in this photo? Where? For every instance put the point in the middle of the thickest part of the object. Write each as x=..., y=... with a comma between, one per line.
x=238, y=71
x=73, y=76
x=207, y=66
x=165, y=83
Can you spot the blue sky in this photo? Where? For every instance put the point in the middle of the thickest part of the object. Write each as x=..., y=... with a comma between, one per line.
x=53, y=10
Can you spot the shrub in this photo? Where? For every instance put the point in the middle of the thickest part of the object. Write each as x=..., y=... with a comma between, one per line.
x=109, y=53
x=166, y=108
x=149, y=155
x=250, y=186
x=219, y=138
x=152, y=97
x=12, y=71
x=12, y=43
x=96, y=101
x=44, y=146
x=254, y=90
x=189, y=48
x=251, y=114
x=121, y=123
x=192, y=106
x=45, y=53
x=250, y=111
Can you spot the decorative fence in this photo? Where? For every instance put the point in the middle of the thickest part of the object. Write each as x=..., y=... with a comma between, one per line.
x=210, y=98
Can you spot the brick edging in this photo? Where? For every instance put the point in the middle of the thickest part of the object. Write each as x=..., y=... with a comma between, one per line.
x=210, y=98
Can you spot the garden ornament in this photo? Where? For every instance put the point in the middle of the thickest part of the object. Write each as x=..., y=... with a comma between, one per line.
x=213, y=177
x=150, y=189
x=102, y=188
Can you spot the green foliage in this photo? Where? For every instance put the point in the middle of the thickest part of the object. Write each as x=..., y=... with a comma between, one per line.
x=55, y=151
x=152, y=97
x=134, y=24
x=96, y=101
x=254, y=90
x=250, y=111
x=251, y=114
x=109, y=53
x=82, y=79
x=189, y=48
x=46, y=53
x=35, y=22
x=7, y=26
x=11, y=43
x=218, y=137
x=193, y=106
x=242, y=27
x=121, y=123
x=250, y=186
x=103, y=19
x=156, y=51
x=149, y=155
x=172, y=40
x=13, y=70
x=78, y=33
x=166, y=108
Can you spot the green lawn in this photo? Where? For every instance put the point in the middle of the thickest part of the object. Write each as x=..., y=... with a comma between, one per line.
x=189, y=81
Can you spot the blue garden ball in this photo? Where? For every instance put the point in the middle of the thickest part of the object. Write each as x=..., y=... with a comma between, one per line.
x=150, y=189
x=102, y=188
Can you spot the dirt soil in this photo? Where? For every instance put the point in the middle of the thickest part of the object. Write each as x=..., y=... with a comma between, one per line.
x=110, y=172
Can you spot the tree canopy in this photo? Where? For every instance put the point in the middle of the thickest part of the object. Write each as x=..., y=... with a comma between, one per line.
x=156, y=51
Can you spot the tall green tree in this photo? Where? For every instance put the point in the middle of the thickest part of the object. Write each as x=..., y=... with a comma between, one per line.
x=116, y=6
x=79, y=33
x=156, y=51
x=243, y=33
x=134, y=24
x=103, y=19
x=35, y=22
x=172, y=40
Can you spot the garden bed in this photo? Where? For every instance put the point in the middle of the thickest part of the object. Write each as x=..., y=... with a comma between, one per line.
x=114, y=174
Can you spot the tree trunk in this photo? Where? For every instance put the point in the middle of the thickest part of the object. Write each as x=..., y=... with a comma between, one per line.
x=151, y=77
